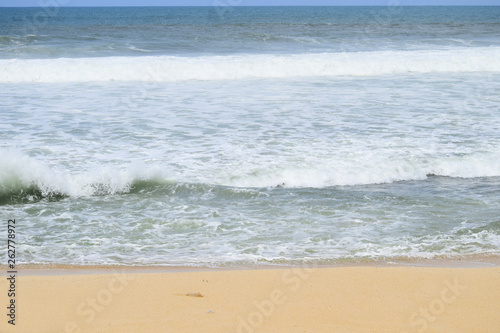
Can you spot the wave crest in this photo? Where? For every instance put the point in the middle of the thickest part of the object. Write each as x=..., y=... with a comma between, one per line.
x=24, y=179
x=173, y=68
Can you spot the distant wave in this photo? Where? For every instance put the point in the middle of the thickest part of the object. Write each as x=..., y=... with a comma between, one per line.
x=172, y=68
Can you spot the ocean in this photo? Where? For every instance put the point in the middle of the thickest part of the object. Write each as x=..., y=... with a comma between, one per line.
x=224, y=136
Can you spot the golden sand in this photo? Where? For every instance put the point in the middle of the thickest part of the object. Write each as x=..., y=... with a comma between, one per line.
x=307, y=299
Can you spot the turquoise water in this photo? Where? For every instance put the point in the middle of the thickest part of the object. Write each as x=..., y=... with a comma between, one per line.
x=177, y=136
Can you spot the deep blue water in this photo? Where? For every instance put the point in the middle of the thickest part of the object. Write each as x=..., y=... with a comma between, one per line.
x=77, y=32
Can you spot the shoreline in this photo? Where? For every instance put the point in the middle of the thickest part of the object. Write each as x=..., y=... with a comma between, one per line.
x=60, y=269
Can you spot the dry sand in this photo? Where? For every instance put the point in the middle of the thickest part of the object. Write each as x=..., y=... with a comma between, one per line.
x=338, y=299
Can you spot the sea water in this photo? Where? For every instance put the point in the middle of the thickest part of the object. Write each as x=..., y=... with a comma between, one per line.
x=250, y=135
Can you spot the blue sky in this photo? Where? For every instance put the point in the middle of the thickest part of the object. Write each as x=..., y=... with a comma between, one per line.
x=40, y=3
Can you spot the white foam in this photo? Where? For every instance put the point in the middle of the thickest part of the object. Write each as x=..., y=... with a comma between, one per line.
x=369, y=171
x=18, y=171
x=172, y=68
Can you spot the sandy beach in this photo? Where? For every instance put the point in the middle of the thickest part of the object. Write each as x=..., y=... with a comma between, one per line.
x=303, y=299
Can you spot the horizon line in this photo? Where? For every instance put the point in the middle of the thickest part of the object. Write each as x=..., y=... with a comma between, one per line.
x=206, y=6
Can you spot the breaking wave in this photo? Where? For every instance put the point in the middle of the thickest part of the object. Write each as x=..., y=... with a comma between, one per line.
x=231, y=67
